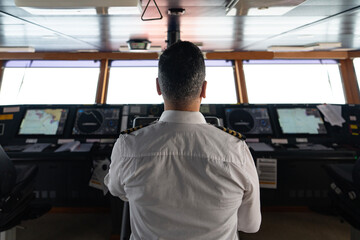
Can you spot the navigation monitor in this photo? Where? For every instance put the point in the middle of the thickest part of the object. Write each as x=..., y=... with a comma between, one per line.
x=301, y=121
x=43, y=122
x=250, y=120
x=97, y=121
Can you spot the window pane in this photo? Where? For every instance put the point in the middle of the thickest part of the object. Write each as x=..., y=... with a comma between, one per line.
x=357, y=69
x=221, y=82
x=49, y=82
x=133, y=82
x=297, y=81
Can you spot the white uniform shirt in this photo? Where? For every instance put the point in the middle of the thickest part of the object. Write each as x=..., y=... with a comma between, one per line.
x=185, y=179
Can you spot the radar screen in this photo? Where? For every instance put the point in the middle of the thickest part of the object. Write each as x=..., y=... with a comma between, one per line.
x=97, y=121
x=301, y=121
x=43, y=122
x=248, y=120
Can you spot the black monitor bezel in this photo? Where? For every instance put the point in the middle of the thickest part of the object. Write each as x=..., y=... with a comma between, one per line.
x=299, y=135
x=43, y=135
x=92, y=135
x=252, y=106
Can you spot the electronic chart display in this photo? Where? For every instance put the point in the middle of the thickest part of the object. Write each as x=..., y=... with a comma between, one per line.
x=249, y=120
x=97, y=121
x=43, y=122
x=301, y=121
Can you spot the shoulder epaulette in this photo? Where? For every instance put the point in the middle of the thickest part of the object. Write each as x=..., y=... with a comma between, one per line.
x=130, y=130
x=232, y=132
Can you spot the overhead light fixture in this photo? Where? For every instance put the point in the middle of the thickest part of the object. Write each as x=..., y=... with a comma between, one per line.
x=45, y=11
x=269, y=11
x=87, y=50
x=290, y=48
x=308, y=47
x=327, y=45
x=308, y=36
x=343, y=49
x=261, y=7
x=124, y=11
x=79, y=7
x=224, y=50
x=50, y=37
x=17, y=49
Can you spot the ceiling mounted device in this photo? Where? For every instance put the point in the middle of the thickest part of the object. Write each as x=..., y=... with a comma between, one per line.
x=174, y=25
x=87, y=7
x=139, y=44
x=260, y=7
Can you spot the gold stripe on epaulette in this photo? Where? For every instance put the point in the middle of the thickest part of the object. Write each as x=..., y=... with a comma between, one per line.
x=232, y=132
x=130, y=130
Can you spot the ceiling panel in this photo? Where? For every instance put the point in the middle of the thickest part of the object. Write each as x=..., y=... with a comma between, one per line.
x=204, y=22
x=331, y=2
x=319, y=10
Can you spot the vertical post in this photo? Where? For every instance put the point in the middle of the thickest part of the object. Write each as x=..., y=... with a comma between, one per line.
x=103, y=82
x=1, y=72
x=349, y=79
x=240, y=84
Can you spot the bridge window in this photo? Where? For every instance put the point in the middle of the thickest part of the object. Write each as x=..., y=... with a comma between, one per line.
x=357, y=69
x=133, y=82
x=49, y=82
x=221, y=82
x=294, y=81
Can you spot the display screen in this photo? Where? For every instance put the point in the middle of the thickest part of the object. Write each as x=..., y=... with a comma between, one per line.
x=97, y=121
x=249, y=120
x=43, y=122
x=301, y=121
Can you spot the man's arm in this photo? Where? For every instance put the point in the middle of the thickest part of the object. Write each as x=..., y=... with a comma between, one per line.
x=249, y=214
x=113, y=180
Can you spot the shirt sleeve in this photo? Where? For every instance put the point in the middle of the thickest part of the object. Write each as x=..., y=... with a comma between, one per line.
x=113, y=178
x=249, y=214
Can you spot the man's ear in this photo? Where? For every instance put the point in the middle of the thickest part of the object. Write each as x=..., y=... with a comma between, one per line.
x=158, y=86
x=203, y=90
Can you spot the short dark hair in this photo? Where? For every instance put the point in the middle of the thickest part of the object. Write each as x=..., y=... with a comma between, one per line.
x=181, y=72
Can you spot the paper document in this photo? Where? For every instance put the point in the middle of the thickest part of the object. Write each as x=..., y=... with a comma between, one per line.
x=101, y=168
x=267, y=171
x=332, y=114
x=260, y=147
x=70, y=146
x=37, y=147
x=84, y=147
x=14, y=148
x=306, y=146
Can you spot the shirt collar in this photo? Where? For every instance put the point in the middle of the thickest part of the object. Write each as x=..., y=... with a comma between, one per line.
x=182, y=117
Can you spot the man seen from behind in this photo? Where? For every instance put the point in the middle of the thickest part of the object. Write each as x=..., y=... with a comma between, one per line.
x=185, y=179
